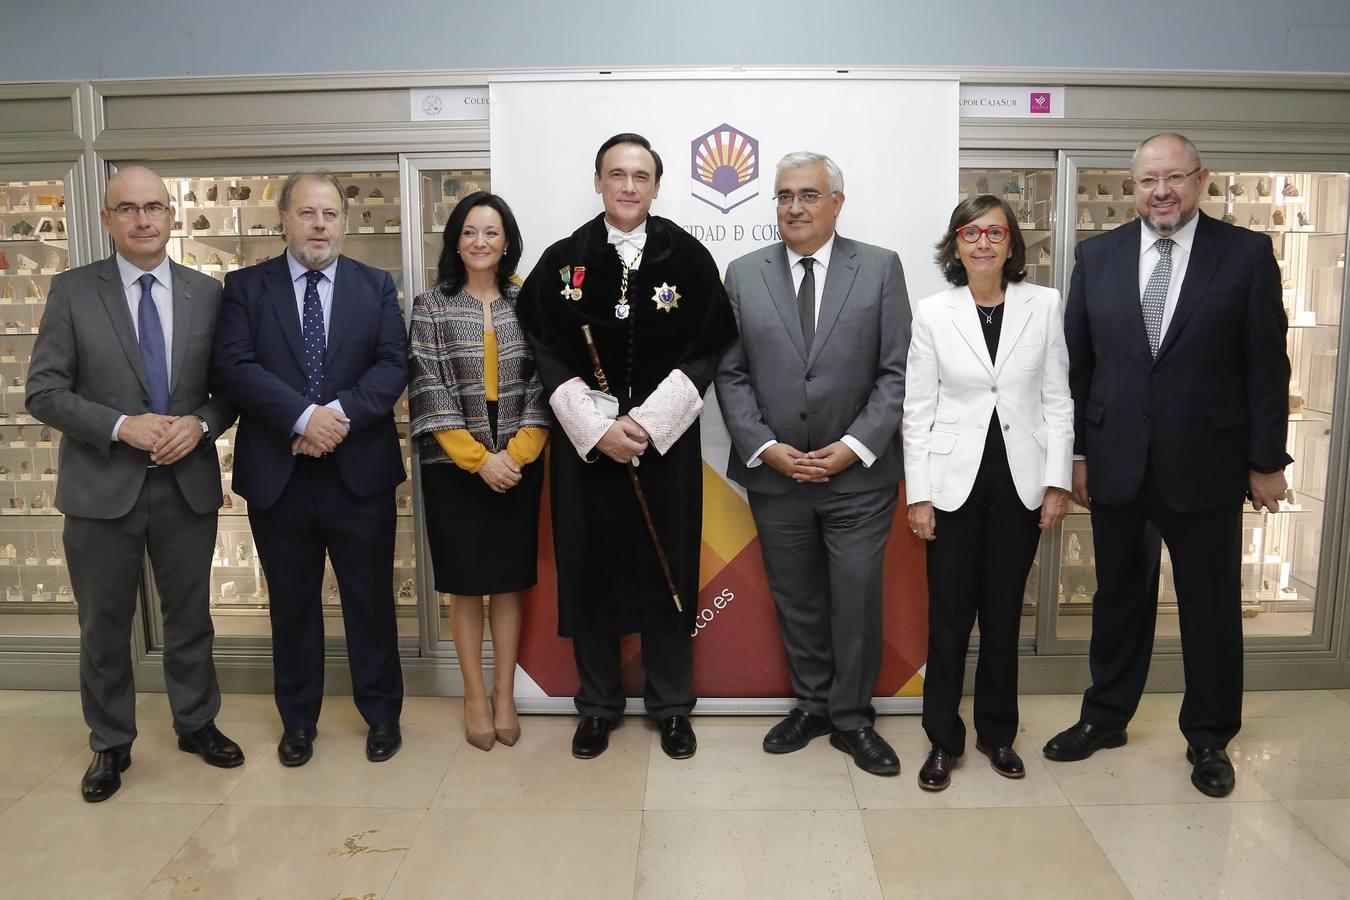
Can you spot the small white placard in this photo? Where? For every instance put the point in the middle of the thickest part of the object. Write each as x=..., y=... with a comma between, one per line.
x=1011, y=101
x=447, y=104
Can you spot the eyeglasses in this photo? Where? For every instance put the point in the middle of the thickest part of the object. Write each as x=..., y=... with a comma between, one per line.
x=131, y=210
x=997, y=234
x=808, y=198
x=1175, y=180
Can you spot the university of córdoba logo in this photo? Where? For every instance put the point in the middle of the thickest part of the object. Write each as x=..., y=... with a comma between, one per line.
x=725, y=167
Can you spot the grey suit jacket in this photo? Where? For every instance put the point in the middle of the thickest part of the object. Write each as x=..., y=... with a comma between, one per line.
x=87, y=370
x=851, y=382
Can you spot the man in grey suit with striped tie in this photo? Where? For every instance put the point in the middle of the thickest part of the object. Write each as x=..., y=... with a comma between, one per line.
x=120, y=367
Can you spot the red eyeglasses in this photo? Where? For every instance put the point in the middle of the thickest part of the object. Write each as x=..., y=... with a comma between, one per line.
x=997, y=234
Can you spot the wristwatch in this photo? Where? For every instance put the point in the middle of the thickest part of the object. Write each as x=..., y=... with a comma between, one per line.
x=206, y=429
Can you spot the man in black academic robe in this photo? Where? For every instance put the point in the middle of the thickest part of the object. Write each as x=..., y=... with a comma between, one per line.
x=660, y=319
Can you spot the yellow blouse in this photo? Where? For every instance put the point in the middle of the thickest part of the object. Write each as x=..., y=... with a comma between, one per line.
x=467, y=452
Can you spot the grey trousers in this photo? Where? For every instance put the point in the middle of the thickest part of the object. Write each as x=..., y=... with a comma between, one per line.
x=823, y=554
x=105, y=558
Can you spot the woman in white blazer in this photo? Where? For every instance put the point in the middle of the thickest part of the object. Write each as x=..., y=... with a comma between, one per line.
x=988, y=440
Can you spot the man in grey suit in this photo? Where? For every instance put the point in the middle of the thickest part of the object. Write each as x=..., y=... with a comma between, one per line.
x=120, y=368
x=812, y=394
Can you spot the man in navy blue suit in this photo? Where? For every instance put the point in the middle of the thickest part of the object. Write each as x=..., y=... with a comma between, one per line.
x=1180, y=380
x=312, y=348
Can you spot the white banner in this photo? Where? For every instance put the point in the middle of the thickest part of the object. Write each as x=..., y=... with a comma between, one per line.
x=896, y=142
x=719, y=140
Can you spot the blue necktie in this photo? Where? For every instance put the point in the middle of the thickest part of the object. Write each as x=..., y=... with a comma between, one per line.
x=151, y=334
x=312, y=332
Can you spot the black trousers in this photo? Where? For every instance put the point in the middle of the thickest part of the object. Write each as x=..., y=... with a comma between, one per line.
x=978, y=563
x=317, y=514
x=667, y=661
x=1206, y=552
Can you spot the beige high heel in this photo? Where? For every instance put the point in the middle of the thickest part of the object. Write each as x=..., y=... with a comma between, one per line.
x=483, y=740
x=508, y=736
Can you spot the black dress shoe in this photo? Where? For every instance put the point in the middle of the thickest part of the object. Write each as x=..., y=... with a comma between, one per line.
x=1005, y=760
x=104, y=775
x=1212, y=771
x=677, y=737
x=936, y=772
x=383, y=741
x=591, y=737
x=1081, y=740
x=297, y=746
x=795, y=732
x=212, y=746
x=869, y=750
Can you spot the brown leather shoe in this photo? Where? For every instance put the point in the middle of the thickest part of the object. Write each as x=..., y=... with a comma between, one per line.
x=936, y=772
x=1005, y=760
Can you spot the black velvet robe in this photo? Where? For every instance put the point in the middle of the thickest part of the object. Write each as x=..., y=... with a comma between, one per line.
x=609, y=578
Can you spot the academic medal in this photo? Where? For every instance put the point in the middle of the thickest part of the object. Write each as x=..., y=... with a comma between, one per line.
x=572, y=280
x=666, y=297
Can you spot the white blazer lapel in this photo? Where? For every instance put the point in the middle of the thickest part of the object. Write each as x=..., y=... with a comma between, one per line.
x=966, y=322
x=1016, y=314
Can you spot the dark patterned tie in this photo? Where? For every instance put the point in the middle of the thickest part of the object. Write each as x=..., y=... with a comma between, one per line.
x=1155, y=294
x=312, y=332
x=151, y=334
x=806, y=302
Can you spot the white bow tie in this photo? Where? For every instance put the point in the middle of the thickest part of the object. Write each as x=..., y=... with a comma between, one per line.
x=629, y=245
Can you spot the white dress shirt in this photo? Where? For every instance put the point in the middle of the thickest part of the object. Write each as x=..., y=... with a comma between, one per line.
x=325, y=289
x=1181, y=256
x=798, y=272
x=162, y=294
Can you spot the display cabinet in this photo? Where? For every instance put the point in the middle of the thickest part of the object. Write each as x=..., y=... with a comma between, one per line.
x=34, y=246
x=226, y=219
x=1305, y=215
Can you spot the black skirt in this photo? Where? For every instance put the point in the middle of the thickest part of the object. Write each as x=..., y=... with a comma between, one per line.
x=482, y=542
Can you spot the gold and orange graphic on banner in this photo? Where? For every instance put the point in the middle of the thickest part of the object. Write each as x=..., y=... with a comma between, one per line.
x=738, y=651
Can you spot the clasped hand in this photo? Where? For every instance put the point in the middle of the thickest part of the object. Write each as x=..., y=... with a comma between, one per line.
x=166, y=438
x=326, y=429
x=813, y=467
x=500, y=472
x=624, y=440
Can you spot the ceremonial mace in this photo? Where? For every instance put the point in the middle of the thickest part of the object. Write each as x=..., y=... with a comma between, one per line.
x=632, y=475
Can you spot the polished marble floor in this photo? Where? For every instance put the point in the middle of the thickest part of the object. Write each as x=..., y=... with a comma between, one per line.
x=443, y=820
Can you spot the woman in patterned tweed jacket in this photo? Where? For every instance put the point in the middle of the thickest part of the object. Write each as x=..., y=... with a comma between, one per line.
x=481, y=421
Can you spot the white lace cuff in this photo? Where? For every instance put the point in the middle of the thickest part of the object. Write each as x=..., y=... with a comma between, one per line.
x=669, y=410
x=579, y=416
